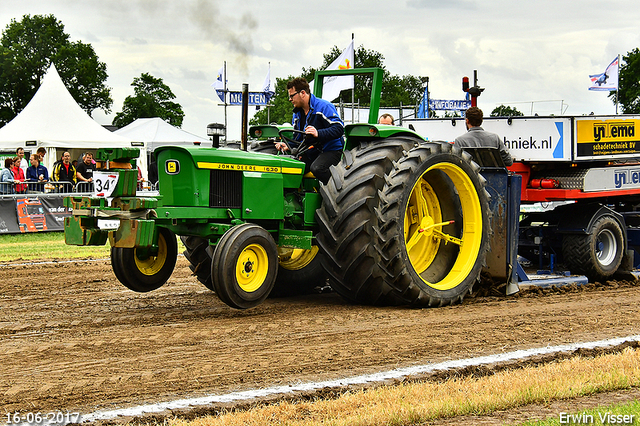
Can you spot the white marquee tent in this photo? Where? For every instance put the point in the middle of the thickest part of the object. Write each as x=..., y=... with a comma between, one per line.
x=54, y=120
x=155, y=132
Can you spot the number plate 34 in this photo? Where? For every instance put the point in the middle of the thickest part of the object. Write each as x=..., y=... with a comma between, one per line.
x=104, y=184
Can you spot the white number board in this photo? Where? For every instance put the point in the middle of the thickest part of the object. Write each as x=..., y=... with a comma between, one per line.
x=104, y=183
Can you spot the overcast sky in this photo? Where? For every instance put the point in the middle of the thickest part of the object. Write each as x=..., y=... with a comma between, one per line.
x=524, y=51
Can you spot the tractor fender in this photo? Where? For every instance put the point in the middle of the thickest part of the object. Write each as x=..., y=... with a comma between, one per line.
x=579, y=218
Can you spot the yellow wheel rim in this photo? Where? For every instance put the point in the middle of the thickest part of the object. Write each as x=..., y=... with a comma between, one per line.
x=423, y=224
x=296, y=259
x=252, y=268
x=152, y=265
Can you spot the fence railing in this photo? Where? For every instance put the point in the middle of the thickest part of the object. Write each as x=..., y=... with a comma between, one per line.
x=34, y=188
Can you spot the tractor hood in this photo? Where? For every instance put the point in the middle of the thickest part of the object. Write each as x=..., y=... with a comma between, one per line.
x=228, y=159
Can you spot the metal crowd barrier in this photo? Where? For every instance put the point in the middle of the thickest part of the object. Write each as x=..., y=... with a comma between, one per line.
x=35, y=188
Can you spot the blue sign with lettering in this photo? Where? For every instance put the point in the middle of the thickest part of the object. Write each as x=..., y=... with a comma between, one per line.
x=255, y=98
x=453, y=105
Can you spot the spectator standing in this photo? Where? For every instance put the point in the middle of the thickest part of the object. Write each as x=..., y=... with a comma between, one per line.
x=18, y=175
x=84, y=173
x=24, y=164
x=41, y=153
x=6, y=177
x=153, y=172
x=55, y=164
x=37, y=174
x=386, y=119
x=65, y=172
x=140, y=180
x=477, y=137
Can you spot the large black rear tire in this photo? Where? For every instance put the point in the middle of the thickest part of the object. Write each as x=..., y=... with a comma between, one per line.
x=598, y=254
x=299, y=272
x=347, y=215
x=433, y=233
x=198, y=253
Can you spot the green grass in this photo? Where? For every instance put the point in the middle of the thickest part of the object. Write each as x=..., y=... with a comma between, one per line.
x=422, y=402
x=45, y=246
x=50, y=246
x=611, y=414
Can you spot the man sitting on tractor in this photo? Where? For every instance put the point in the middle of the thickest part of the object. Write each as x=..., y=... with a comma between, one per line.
x=322, y=126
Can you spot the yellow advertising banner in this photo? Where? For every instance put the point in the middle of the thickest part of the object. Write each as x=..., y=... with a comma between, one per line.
x=607, y=137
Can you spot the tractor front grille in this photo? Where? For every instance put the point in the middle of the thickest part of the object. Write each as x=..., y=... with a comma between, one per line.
x=226, y=189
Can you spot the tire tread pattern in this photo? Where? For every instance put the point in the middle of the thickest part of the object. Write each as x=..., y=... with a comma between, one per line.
x=346, y=237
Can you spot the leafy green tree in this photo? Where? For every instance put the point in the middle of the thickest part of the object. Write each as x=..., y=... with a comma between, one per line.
x=396, y=90
x=152, y=98
x=28, y=47
x=505, y=111
x=628, y=94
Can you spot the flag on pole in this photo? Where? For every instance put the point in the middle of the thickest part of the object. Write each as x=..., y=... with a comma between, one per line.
x=267, y=86
x=332, y=86
x=423, y=108
x=218, y=85
x=608, y=80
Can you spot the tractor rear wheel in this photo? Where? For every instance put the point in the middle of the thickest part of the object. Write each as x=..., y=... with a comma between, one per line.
x=598, y=254
x=197, y=252
x=299, y=272
x=433, y=228
x=347, y=215
x=142, y=270
x=244, y=266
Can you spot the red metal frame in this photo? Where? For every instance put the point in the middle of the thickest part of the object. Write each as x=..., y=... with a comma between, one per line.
x=538, y=195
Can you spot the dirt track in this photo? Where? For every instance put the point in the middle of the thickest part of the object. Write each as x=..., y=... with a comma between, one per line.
x=73, y=338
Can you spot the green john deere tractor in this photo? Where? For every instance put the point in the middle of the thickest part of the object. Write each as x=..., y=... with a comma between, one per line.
x=402, y=220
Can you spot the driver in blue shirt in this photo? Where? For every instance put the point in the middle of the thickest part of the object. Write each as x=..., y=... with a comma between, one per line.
x=321, y=123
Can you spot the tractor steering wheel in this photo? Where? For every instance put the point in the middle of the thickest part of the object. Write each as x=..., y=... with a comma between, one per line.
x=288, y=140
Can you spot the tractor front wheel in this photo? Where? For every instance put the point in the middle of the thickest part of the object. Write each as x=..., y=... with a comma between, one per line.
x=244, y=266
x=143, y=270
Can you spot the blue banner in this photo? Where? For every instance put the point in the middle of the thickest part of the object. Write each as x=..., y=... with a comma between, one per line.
x=449, y=105
x=255, y=98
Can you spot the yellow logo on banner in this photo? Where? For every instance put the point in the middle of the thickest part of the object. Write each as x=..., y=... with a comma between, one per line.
x=606, y=130
x=249, y=168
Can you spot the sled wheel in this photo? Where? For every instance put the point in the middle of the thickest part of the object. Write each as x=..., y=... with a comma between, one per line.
x=244, y=266
x=434, y=225
x=198, y=254
x=144, y=269
x=299, y=272
x=599, y=254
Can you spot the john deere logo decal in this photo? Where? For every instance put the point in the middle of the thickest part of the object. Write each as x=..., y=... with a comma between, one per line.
x=172, y=167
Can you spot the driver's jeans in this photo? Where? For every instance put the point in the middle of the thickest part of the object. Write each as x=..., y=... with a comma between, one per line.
x=320, y=165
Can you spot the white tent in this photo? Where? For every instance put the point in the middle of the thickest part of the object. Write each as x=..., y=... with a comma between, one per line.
x=54, y=120
x=155, y=132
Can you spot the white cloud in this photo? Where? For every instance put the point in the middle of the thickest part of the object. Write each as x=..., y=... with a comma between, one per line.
x=523, y=51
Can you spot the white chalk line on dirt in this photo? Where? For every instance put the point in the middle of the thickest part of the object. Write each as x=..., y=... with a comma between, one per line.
x=356, y=380
x=54, y=262
x=50, y=262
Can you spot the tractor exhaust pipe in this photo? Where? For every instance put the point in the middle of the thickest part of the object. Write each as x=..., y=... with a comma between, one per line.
x=245, y=115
